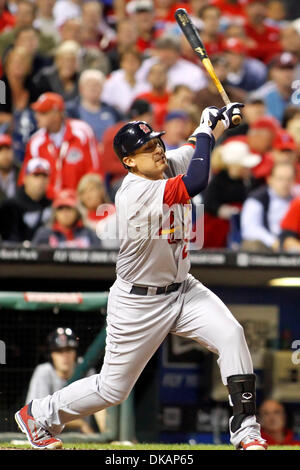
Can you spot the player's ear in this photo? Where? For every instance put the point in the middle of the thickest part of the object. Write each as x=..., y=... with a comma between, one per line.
x=129, y=161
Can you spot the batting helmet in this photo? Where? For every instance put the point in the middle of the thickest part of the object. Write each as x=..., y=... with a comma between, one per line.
x=62, y=338
x=132, y=136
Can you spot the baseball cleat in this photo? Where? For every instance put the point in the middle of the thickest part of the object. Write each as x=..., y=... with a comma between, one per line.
x=38, y=437
x=253, y=443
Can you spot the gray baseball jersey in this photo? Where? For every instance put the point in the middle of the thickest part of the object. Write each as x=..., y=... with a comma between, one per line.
x=153, y=246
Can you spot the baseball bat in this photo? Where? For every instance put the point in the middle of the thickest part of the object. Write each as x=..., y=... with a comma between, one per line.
x=188, y=28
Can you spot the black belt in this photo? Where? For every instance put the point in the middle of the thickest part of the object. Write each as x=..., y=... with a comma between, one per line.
x=138, y=290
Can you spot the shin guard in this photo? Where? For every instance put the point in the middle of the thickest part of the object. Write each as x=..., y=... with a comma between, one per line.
x=242, y=398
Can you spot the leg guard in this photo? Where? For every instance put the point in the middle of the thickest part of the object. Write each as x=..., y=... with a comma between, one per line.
x=242, y=398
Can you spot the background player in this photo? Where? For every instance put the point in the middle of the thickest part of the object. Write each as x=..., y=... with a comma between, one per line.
x=154, y=294
x=54, y=374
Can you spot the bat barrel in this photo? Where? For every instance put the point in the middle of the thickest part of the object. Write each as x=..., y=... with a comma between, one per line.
x=189, y=30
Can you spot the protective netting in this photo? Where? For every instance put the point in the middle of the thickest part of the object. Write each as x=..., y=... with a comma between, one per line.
x=24, y=334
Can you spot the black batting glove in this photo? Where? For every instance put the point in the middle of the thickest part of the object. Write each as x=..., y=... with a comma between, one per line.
x=208, y=121
x=228, y=112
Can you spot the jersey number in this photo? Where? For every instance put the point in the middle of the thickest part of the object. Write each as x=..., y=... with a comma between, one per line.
x=171, y=237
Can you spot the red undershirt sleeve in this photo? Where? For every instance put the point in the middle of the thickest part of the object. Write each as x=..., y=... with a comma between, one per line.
x=175, y=191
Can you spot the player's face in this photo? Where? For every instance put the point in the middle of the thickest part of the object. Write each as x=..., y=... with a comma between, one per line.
x=149, y=160
x=64, y=360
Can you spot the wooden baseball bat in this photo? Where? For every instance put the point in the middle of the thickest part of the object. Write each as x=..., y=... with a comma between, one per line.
x=191, y=33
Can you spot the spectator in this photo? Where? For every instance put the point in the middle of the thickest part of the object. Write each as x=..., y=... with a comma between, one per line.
x=284, y=148
x=265, y=38
x=209, y=95
x=19, y=88
x=174, y=127
x=164, y=13
x=195, y=6
x=113, y=170
x=192, y=120
x=62, y=77
x=93, y=58
x=88, y=106
x=273, y=421
x=95, y=32
x=53, y=375
x=276, y=13
x=261, y=134
x=67, y=229
x=236, y=31
x=253, y=110
x=7, y=20
x=28, y=38
x=180, y=71
x=70, y=29
x=123, y=85
x=233, y=11
x=290, y=42
x=126, y=39
x=9, y=169
x=141, y=12
x=45, y=19
x=186, y=50
x=66, y=9
x=260, y=139
x=25, y=16
x=99, y=213
x=68, y=144
x=181, y=98
x=227, y=192
x=264, y=209
x=158, y=96
x=210, y=16
x=15, y=115
x=293, y=129
x=243, y=72
x=23, y=214
x=277, y=93
x=290, y=224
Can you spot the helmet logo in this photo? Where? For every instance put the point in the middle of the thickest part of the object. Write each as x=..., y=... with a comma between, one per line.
x=144, y=128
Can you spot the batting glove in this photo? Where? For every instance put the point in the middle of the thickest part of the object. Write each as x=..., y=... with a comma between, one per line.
x=209, y=119
x=227, y=113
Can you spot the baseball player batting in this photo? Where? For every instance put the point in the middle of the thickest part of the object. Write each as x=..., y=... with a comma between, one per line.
x=154, y=294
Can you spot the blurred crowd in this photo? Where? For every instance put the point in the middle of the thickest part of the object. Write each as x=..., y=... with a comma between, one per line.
x=74, y=71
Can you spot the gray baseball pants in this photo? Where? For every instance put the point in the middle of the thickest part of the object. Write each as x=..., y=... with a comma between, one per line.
x=136, y=327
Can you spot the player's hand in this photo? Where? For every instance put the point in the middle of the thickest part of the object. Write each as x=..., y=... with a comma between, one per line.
x=208, y=121
x=228, y=112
